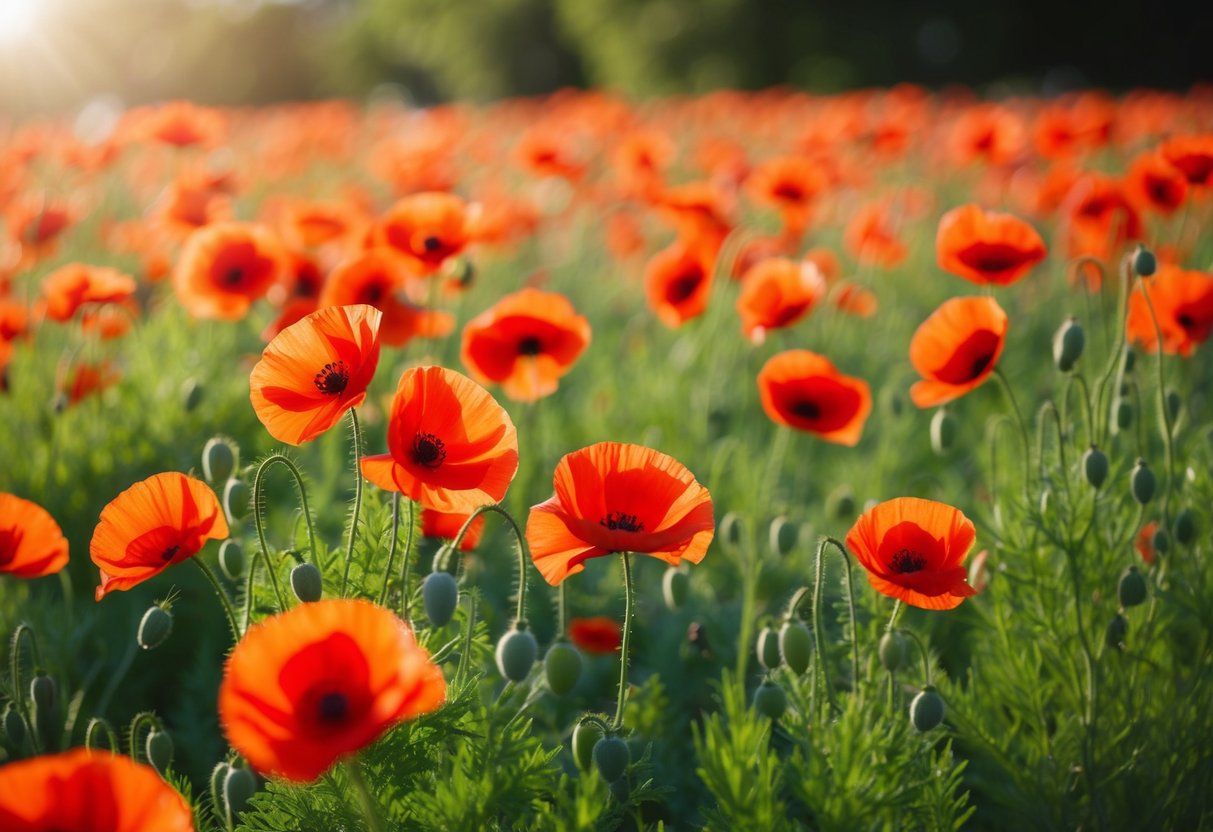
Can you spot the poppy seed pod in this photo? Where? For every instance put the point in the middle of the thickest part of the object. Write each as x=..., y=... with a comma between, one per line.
x=943, y=431
x=585, y=736
x=893, y=651
x=159, y=750
x=784, y=535
x=239, y=786
x=674, y=586
x=154, y=627
x=768, y=649
x=1160, y=541
x=927, y=709
x=1174, y=403
x=219, y=457
x=1095, y=466
x=1185, y=527
x=1142, y=482
x=44, y=691
x=1122, y=414
x=236, y=498
x=620, y=789
x=440, y=594
x=770, y=700
x=611, y=755
x=231, y=559
x=795, y=646
x=1068, y=344
x=516, y=654
x=1118, y=630
x=1144, y=262
x=562, y=666
x=306, y=582
x=840, y=502
x=1131, y=590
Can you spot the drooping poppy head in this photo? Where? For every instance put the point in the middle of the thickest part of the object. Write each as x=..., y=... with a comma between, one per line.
x=452, y=447
x=314, y=371
x=160, y=521
x=70, y=287
x=613, y=497
x=525, y=342
x=986, y=246
x=598, y=634
x=678, y=282
x=1192, y=156
x=776, y=293
x=956, y=349
x=445, y=526
x=321, y=681
x=31, y=543
x=1183, y=307
x=227, y=266
x=914, y=550
x=803, y=390
x=426, y=229
x=89, y=791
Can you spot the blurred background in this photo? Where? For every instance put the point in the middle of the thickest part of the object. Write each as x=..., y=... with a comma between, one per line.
x=56, y=55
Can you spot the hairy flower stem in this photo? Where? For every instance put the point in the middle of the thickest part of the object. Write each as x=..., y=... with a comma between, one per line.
x=1168, y=440
x=111, y=737
x=1122, y=305
x=370, y=809
x=259, y=521
x=356, y=440
x=1023, y=434
x=818, y=584
x=391, y=552
x=524, y=552
x=223, y=599
x=629, y=600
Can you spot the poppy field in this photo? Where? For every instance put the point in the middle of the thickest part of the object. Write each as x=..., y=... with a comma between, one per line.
x=750, y=461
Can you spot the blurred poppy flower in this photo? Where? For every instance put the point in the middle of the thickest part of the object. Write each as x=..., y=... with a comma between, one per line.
x=789, y=184
x=914, y=550
x=854, y=299
x=776, y=293
x=87, y=378
x=987, y=247
x=157, y=522
x=314, y=371
x=525, y=342
x=376, y=278
x=612, y=497
x=446, y=525
x=425, y=229
x=1145, y=542
x=803, y=390
x=677, y=283
x=177, y=123
x=452, y=447
x=1155, y=185
x=698, y=211
x=321, y=681
x=1192, y=156
x=31, y=543
x=1099, y=218
x=227, y=266
x=36, y=222
x=987, y=133
x=599, y=634
x=89, y=791
x=69, y=287
x=1183, y=306
x=956, y=349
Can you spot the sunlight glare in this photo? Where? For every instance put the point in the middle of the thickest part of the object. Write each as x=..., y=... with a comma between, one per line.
x=18, y=19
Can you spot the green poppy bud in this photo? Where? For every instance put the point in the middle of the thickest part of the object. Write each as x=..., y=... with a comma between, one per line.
x=306, y=582
x=516, y=654
x=1132, y=588
x=1160, y=541
x=620, y=789
x=943, y=431
x=927, y=709
x=236, y=498
x=562, y=666
x=219, y=457
x=893, y=651
x=1095, y=466
x=729, y=530
x=585, y=736
x=239, y=786
x=191, y=394
x=1118, y=630
x=1142, y=482
x=611, y=755
x=1174, y=402
x=1144, y=262
x=784, y=535
x=1068, y=344
x=674, y=587
x=768, y=649
x=14, y=726
x=770, y=700
x=440, y=594
x=159, y=750
x=1123, y=415
x=840, y=503
x=1185, y=527
x=796, y=646
x=231, y=559
x=155, y=627
x=44, y=691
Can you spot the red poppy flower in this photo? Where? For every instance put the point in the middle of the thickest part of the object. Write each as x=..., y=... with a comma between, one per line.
x=987, y=247
x=69, y=287
x=446, y=526
x=525, y=342
x=803, y=390
x=376, y=278
x=227, y=266
x=871, y=236
x=612, y=497
x=987, y=133
x=1155, y=185
x=31, y=543
x=914, y=550
x=87, y=791
x=776, y=293
x=321, y=681
x=1192, y=156
x=1145, y=542
x=956, y=349
x=678, y=282
x=87, y=378
x=854, y=299
x=698, y=211
x=790, y=185
x=426, y=229
x=452, y=447
x=314, y=371
x=1099, y=218
x=1183, y=306
x=160, y=521
x=600, y=634
x=178, y=123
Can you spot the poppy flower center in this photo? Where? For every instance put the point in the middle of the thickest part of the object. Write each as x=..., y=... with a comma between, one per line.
x=979, y=365
x=428, y=450
x=530, y=346
x=683, y=287
x=619, y=522
x=806, y=410
x=332, y=379
x=233, y=276
x=432, y=243
x=169, y=553
x=1185, y=320
x=906, y=561
x=789, y=192
x=333, y=707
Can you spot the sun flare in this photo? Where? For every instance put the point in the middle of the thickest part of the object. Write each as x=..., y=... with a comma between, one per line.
x=18, y=19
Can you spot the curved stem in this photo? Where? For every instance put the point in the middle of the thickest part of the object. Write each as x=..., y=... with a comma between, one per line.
x=259, y=501
x=629, y=593
x=14, y=660
x=797, y=598
x=1122, y=305
x=822, y=670
x=391, y=552
x=922, y=651
x=1077, y=378
x=223, y=599
x=132, y=733
x=524, y=552
x=111, y=737
x=370, y=809
x=1023, y=432
x=356, y=439
x=897, y=608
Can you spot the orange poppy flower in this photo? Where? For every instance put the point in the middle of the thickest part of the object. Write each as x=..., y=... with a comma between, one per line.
x=789, y=184
x=1183, y=306
x=451, y=446
x=178, y=123
x=36, y=222
x=987, y=133
x=91, y=792
x=612, y=497
x=426, y=229
x=1192, y=156
x=956, y=349
x=678, y=282
x=375, y=277
x=188, y=205
x=914, y=550
x=986, y=246
x=525, y=342
x=31, y=543
x=599, y=634
x=854, y=299
x=776, y=293
x=1099, y=218
x=69, y=287
x=803, y=390
x=160, y=521
x=87, y=378
x=446, y=526
x=1145, y=542
x=1155, y=185
x=225, y=267
x=871, y=236
x=314, y=371
x=321, y=681
x=698, y=211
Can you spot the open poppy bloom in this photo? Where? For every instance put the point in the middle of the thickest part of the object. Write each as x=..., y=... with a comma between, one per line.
x=871, y=236
x=86, y=379
x=678, y=281
x=89, y=791
x=31, y=543
x=157, y=522
x=426, y=229
x=790, y=185
x=446, y=526
x=1183, y=306
x=775, y=293
x=321, y=681
x=376, y=277
x=803, y=390
x=452, y=447
x=986, y=246
x=69, y=287
x=227, y=266
x=599, y=634
x=1154, y=184
x=956, y=349
x=613, y=497
x=525, y=343
x=1192, y=156
x=314, y=371
x=914, y=550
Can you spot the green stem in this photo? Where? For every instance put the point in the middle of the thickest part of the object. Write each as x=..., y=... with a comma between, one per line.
x=794, y=604
x=356, y=438
x=1023, y=432
x=133, y=746
x=524, y=552
x=391, y=552
x=464, y=655
x=1077, y=378
x=897, y=608
x=14, y=660
x=629, y=600
x=1122, y=305
x=922, y=652
x=562, y=610
x=370, y=809
x=111, y=738
x=407, y=594
x=1168, y=440
x=822, y=669
x=259, y=501
x=223, y=599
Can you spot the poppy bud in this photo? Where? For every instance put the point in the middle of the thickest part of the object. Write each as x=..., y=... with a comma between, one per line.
x=236, y=500
x=1174, y=403
x=440, y=594
x=463, y=270
x=611, y=755
x=239, y=786
x=620, y=789
x=14, y=726
x=306, y=581
x=1144, y=262
x=783, y=536
x=893, y=652
x=516, y=654
x=768, y=649
x=1118, y=630
x=1185, y=527
x=1123, y=415
x=1132, y=588
x=59, y=402
x=1160, y=541
x=674, y=586
x=840, y=503
x=155, y=627
x=44, y=691
x=926, y=709
x=1095, y=466
x=1130, y=359
x=219, y=456
x=191, y=394
x=795, y=646
x=562, y=665
x=231, y=558
x=585, y=736
x=1068, y=343
x=218, y=778
x=729, y=530
x=1142, y=482
x=770, y=700
x=159, y=749
x=943, y=431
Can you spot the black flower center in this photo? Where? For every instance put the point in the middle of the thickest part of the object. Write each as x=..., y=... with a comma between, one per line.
x=333, y=707
x=233, y=276
x=169, y=553
x=428, y=450
x=807, y=410
x=906, y=561
x=530, y=346
x=980, y=364
x=332, y=379
x=432, y=243
x=1185, y=320
x=618, y=522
